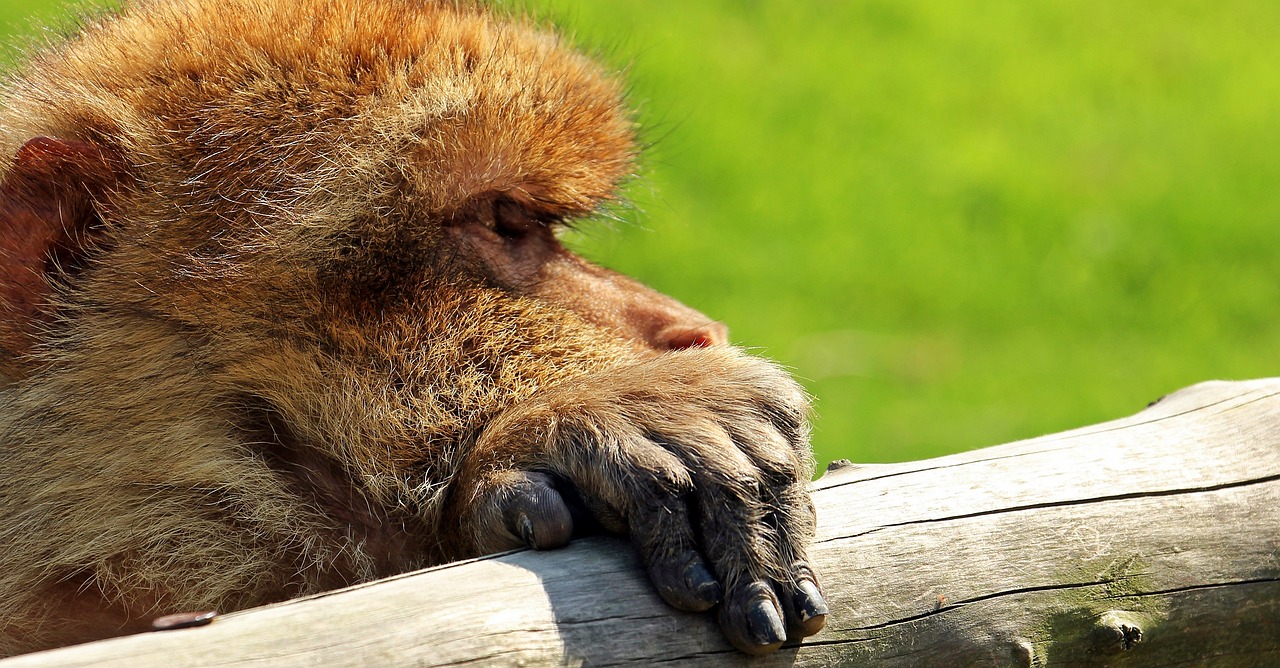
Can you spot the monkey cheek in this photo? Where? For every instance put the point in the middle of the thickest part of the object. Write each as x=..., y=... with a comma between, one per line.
x=537, y=515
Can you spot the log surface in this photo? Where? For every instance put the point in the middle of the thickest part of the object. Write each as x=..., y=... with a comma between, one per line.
x=1152, y=540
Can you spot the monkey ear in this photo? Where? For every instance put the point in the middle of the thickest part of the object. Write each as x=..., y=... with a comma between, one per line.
x=47, y=220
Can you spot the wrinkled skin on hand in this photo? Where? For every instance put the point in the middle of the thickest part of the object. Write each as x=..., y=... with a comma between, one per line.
x=707, y=473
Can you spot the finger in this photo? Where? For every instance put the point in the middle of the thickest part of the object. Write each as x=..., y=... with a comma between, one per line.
x=521, y=508
x=791, y=418
x=779, y=399
x=738, y=543
x=537, y=514
x=751, y=618
x=777, y=460
x=791, y=521
x=802, y=601
x=734, y=535
x=589, y=517
x=665, y=540
x=648, y=487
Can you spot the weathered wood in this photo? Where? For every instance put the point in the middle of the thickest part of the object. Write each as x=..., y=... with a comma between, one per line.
x=1152, y=540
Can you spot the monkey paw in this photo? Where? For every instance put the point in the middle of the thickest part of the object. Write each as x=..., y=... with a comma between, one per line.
x=700, y=455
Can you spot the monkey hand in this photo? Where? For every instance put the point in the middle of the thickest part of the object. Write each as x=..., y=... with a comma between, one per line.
x=700, y=455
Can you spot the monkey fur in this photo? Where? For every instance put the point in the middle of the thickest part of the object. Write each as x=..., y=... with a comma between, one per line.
x=283, y=309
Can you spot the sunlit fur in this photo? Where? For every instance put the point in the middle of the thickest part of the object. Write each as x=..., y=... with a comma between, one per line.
x=272, y=372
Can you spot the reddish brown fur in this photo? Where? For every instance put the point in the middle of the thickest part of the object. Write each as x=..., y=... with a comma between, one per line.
x=309, y=325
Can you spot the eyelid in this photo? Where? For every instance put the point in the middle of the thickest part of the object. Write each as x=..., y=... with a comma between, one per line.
x=510, y=218
x=513, y=219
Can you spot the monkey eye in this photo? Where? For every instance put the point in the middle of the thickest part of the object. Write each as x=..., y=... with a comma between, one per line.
x=513, y=221
x=501, y=219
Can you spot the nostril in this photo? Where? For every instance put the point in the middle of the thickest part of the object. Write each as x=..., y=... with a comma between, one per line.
x=711, y=334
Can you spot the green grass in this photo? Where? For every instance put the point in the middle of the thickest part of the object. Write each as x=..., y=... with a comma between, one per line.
x=961, y=223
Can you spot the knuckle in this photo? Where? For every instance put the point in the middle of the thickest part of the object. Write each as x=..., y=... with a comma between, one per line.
x=777, y=459
x=646, y=469
x=670, y=482
x=782, y=464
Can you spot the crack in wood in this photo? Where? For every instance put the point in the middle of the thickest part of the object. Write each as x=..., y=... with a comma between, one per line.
x=1201, y=587
x=977, y=599
x=1066, y=503
x=1065, y=439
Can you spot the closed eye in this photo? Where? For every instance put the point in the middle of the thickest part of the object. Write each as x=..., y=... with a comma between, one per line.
x=513, y=221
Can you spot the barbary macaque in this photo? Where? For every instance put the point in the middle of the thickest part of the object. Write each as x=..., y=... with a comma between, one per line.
x=283, y=308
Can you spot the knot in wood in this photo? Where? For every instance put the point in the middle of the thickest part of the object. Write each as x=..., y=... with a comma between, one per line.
x=1116, y=631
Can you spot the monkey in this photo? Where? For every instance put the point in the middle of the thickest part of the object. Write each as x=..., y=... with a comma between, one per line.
x=284, y=307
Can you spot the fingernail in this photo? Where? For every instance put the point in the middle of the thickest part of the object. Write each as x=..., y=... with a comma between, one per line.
x=702, y=583
x=764, y=622
x=811, y=602
x=526, y=530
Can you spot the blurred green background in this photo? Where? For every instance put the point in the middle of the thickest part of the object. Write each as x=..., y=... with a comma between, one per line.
x=960, y=223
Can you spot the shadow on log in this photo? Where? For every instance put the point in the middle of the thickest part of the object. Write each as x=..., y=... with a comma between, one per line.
x=1148, y=541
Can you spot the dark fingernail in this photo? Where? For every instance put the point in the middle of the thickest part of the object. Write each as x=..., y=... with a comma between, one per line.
x=702, y=583
x=526, y=530
x=811, y=603
x=764, y=622
x=809, y=608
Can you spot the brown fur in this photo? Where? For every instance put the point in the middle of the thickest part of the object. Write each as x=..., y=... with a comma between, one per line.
x=283, y=311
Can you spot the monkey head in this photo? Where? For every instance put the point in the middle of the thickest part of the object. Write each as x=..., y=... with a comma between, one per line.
x=302, y=258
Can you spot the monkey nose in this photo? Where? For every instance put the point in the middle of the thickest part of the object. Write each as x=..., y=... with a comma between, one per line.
x=701, y=336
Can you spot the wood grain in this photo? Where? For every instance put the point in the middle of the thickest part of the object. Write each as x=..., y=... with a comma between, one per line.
x=1148, y=541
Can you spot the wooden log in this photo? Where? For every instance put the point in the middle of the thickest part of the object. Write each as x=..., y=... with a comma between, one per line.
x=1151, y=540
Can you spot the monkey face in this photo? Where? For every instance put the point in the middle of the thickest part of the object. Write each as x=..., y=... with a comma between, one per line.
x=515, y=246
x=365, y=161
